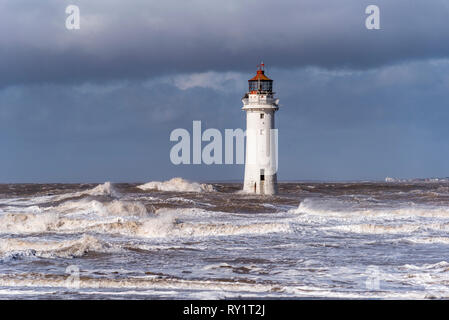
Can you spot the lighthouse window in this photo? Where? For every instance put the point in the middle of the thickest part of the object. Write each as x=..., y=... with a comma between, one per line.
x=261, y=116
x=262, y=85
x=262, y=174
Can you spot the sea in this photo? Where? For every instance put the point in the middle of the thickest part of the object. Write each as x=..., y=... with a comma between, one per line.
x=179, y=239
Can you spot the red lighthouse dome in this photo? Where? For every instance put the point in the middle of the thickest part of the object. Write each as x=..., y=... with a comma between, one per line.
x=260, y=83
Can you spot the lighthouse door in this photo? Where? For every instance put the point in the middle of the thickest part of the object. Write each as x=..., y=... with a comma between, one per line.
x=262, y=181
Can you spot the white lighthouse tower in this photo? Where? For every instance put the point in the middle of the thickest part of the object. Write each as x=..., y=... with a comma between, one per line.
x=261, y=136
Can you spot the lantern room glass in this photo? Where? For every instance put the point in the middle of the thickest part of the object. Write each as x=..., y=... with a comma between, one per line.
x=260, y=85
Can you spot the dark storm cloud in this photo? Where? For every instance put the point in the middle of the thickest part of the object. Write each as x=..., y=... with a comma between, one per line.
x=117, y=132
x=390, y=121
x=140, y=39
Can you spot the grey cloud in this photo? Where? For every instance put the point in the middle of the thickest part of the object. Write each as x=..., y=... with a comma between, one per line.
x=390, y=121
x=122, y=40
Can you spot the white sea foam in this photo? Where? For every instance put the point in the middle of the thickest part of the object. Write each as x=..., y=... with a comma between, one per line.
x=217, y=266
x=189, y=201
x=322, y=225
x=160, y=226
x=26, y=201
x=32, y=209
x=115, y=208
x=106, y=189
x=315, y=291
x=148, y=282
x=31, y=203
x=52, y=249
x=71, y=216
x=168, y=226
x=428, y=240
x=180, y=199
x=341, y=208
x=27, y=222
x=177, y=185
x=227, y=229
x=376, y=228
x=441, y=266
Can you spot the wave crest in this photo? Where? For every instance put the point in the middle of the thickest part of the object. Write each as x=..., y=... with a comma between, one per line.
x=160, y=226
x=52, y=249
x=120, y=208
x=177, y=185
x=105, y=189
x=339, y=208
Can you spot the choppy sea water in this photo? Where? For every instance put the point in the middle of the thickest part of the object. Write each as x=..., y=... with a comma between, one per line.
x=181, y=240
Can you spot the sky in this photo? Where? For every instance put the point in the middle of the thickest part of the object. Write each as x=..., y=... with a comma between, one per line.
x=99, y=103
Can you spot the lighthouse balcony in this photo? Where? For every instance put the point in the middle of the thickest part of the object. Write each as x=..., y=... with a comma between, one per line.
x=254, y=100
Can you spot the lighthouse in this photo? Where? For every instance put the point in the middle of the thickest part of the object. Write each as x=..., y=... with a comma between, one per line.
x=261, y=164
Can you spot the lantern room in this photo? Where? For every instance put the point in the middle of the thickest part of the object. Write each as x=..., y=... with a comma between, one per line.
x=260, y=83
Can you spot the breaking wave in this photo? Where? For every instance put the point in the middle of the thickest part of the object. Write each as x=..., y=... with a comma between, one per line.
x=376, y=229
x=115, y=208
x=442, y=266
x=340, y=208
x=149, y=282
x=105, y=189
x=428, y=240
x=177, y=185
x=161, y=226
x=197, y=243
x=14, y=248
